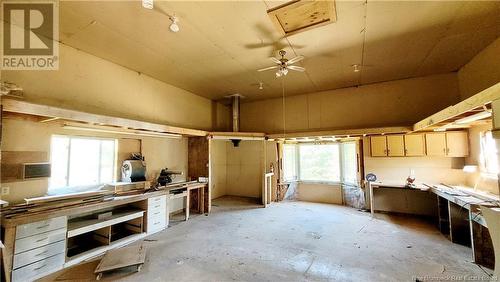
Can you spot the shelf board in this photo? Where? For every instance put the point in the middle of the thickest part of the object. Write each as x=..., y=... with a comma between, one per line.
x=101, y=250
x=83, y=226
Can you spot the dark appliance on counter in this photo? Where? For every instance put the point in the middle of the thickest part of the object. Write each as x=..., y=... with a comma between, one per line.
x=166, y=176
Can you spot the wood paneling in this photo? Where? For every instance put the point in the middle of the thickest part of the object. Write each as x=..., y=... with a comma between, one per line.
x=197, y=157
x=12, y=160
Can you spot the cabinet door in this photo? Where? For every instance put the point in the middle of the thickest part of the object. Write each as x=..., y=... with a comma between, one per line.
x=414, y=145
x=378, y=146
x=395, y=146
x=436, y=144
x=457, y=144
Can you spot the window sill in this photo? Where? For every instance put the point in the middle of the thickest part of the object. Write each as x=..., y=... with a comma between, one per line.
x=319, y=182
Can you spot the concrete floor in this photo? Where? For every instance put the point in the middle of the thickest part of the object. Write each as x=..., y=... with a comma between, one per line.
x=294, y=241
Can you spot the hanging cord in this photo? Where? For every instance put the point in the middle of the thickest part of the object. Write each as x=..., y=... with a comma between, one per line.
x=283, y=106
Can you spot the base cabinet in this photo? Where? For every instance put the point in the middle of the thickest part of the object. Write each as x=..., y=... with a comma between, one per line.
x=39, y=249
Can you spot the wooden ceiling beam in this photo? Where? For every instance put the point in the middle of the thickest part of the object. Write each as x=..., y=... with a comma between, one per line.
x=482, y=98
x=23, y=107
x=344, y=132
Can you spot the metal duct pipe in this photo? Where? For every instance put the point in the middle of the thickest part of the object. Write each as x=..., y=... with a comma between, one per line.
x=236, y=112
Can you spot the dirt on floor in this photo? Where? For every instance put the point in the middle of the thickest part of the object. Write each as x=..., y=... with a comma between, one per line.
x=294, y=241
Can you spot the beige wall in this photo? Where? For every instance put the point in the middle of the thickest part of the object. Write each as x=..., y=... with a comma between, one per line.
x=20, y=135
x=320, y=193
x=237, y=171
x=400, y=102
x=218, y=163
x=481, y=72
x=90, y=84
x=244, y=169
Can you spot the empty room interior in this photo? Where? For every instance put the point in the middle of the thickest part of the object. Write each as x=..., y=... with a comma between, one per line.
x=304, y=140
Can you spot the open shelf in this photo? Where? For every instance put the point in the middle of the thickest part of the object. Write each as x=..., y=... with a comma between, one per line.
x=99, y=250
x=89, y=236
x=85, y=225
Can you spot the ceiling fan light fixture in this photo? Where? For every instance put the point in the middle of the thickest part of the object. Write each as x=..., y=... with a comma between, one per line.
x=147, y=4
x=174, y=27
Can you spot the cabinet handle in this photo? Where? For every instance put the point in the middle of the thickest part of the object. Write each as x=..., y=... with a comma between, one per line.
x=38, y=268
x=43, y=239
x=42, y=253
x=157, y=206
x=43, y=226
x=157, y=213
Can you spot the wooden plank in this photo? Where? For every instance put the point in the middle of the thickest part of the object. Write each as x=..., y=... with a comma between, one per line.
x=238, y=134
x=482, y=98
x=46, y=199
x=17, y=106
x=197, y=157
x=12, y=162
x=9, y=237
x=123, y=257
x=301, y=15
x=84, y=226
x=344, y=132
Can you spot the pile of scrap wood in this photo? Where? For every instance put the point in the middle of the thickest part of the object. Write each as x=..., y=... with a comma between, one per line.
x=50, y=203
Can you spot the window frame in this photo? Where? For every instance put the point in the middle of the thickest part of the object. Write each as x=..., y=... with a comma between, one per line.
x=341, y=164
x=68, y=162
x=483, y=167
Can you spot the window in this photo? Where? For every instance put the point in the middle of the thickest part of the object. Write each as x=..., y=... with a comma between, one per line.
x=319, y=162
x=489, y=155
x=330, y=162
x=289, y=162
x=349, y=163
x=81, y=162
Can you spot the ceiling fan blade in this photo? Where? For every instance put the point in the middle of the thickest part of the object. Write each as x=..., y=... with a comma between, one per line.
x=296, y=68
x=296, y=59
x=276, y=61
x=269, y=68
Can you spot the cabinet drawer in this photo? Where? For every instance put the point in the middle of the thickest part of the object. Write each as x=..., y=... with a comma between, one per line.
x=157, y=200
x=157, y=212
x=38, y=269
x=156, y=224
x=157, y=203
x=40, y=253
x=38, y=227
x=39, y=240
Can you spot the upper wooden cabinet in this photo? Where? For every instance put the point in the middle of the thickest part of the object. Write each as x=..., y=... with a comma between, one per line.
x=378, y=146
x=457, y=144
x=395, y=146
x=436, y=144
x=449, y=144
x=445, y=144
x=414, y=145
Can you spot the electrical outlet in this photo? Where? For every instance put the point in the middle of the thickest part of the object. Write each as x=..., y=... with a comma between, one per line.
x=5, y=191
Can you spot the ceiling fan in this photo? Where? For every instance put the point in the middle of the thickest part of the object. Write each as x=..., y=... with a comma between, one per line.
x=283, y=64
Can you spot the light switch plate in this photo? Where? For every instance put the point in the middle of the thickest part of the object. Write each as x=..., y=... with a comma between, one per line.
x=5, y=191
